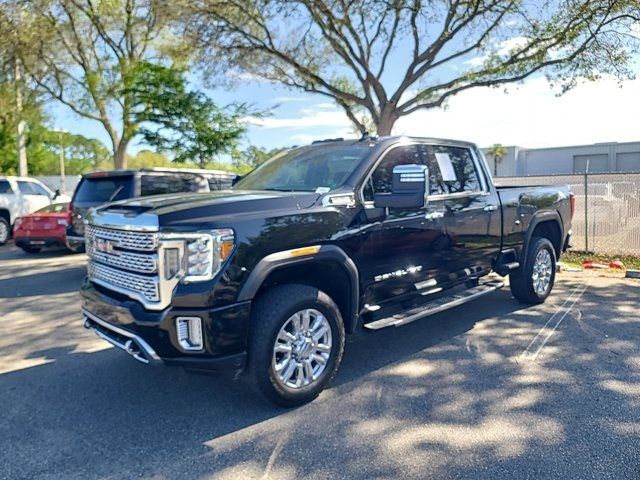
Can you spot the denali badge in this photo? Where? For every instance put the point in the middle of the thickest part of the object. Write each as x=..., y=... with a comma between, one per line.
x=105, y=246
x=398, y=273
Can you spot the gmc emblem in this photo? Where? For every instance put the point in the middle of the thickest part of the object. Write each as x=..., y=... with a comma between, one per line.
x=105, y=246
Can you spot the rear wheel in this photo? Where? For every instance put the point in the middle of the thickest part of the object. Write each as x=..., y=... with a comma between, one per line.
x=533, y=281
x=5, y=230
x=296, y=343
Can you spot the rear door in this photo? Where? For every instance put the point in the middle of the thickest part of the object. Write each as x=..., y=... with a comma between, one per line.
x=470, y=208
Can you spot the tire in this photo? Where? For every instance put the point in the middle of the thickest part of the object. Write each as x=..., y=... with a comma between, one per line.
x=29, y=249
x=532, y=282
x=276, y=312
x=5, y=230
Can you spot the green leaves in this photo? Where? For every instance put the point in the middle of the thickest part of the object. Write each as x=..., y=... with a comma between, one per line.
x=185, y=123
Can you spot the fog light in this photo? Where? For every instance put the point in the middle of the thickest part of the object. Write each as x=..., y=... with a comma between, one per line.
x=189, y=330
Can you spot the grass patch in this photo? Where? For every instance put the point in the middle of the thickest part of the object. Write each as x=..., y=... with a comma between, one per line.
x=574, y=259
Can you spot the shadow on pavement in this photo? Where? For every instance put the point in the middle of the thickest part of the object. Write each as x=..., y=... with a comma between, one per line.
x=444, y=397
x=63, y=279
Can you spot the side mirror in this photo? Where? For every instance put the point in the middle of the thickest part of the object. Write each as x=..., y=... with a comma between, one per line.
x=410, y=188
x=56, y=194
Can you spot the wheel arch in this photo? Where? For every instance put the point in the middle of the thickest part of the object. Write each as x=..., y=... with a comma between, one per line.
x=330, y=269
x=6, y=214
x=547, y=224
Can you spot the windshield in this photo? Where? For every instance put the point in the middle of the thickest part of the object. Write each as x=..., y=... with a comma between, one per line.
x=315, y=168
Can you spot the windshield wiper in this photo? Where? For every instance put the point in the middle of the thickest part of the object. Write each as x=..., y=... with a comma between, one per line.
x=115, y=194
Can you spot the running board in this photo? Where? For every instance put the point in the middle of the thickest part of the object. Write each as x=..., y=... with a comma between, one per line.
x=437, y=306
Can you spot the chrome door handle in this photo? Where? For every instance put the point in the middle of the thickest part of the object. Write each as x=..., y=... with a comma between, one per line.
x=490, y=208
x=434, y=215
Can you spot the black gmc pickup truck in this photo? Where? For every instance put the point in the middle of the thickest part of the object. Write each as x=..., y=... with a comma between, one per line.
x=319, y=242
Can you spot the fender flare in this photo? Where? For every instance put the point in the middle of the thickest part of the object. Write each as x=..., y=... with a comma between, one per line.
x=538, y=218
x=286, y=258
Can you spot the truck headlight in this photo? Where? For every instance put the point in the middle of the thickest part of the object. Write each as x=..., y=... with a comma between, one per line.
x=206, y=253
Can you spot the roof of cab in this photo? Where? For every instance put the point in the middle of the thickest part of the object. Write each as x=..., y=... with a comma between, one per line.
x=395, y=139
x=124, y=173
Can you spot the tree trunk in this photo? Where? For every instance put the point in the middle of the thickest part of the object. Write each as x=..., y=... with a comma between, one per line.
x=23, y=169
x=388, y=118
x=120, y=158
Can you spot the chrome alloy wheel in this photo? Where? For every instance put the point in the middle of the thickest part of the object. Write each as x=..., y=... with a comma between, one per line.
x=302, y=349
x=4, y=232
x=542, y=272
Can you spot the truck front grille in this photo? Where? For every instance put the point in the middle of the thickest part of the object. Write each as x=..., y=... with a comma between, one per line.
x=126, y=262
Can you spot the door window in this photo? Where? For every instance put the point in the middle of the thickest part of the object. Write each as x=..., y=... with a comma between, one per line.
x=381, y=180
x=163, y=184
x=452, y=169
x=39, y=189
x=26, y=188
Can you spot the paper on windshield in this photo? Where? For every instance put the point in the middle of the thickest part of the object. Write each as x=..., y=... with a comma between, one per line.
x=446, y=168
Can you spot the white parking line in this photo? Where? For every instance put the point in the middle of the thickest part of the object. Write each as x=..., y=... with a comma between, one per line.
x=540, y=340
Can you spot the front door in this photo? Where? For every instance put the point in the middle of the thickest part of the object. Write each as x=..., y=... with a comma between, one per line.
x=410, y=244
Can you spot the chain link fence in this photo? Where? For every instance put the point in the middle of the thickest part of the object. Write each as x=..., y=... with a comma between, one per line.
x=607, y=217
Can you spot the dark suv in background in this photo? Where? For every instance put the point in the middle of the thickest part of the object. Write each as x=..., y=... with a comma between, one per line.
x=98, y=188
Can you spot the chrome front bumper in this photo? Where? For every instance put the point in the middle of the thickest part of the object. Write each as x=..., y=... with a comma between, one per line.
x=131, y=343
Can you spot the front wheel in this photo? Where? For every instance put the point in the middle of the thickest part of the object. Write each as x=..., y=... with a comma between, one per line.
x=296, y=343
x=533, y=281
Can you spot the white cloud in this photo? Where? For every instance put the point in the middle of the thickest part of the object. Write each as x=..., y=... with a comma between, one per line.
x=308, y=119
x=531, y=115
x=504, y=48
x=290, y=99
x=305, y=138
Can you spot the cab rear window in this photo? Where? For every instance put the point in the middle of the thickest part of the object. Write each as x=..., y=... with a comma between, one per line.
x=54, y=208
x=104, y=189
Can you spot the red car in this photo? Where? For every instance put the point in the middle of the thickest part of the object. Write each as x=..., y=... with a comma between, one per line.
x=44, y=228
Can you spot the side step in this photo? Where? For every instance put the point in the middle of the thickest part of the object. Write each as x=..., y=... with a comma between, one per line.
x=437, y=306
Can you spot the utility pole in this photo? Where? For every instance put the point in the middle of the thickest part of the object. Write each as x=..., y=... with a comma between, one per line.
x=23, y=170
x=63, y=179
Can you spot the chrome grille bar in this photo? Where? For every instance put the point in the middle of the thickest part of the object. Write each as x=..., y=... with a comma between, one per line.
x=133, y=262
x=145, y=288
x=140, y=241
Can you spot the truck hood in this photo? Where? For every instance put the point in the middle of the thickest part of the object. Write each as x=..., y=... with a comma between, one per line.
x=196, y=208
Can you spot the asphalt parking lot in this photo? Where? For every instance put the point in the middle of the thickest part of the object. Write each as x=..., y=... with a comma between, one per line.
x=482, y=391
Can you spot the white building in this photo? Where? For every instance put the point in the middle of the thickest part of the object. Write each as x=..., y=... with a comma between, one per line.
x=600, y=158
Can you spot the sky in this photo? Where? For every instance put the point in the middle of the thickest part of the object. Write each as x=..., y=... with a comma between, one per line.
x=529, y=115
